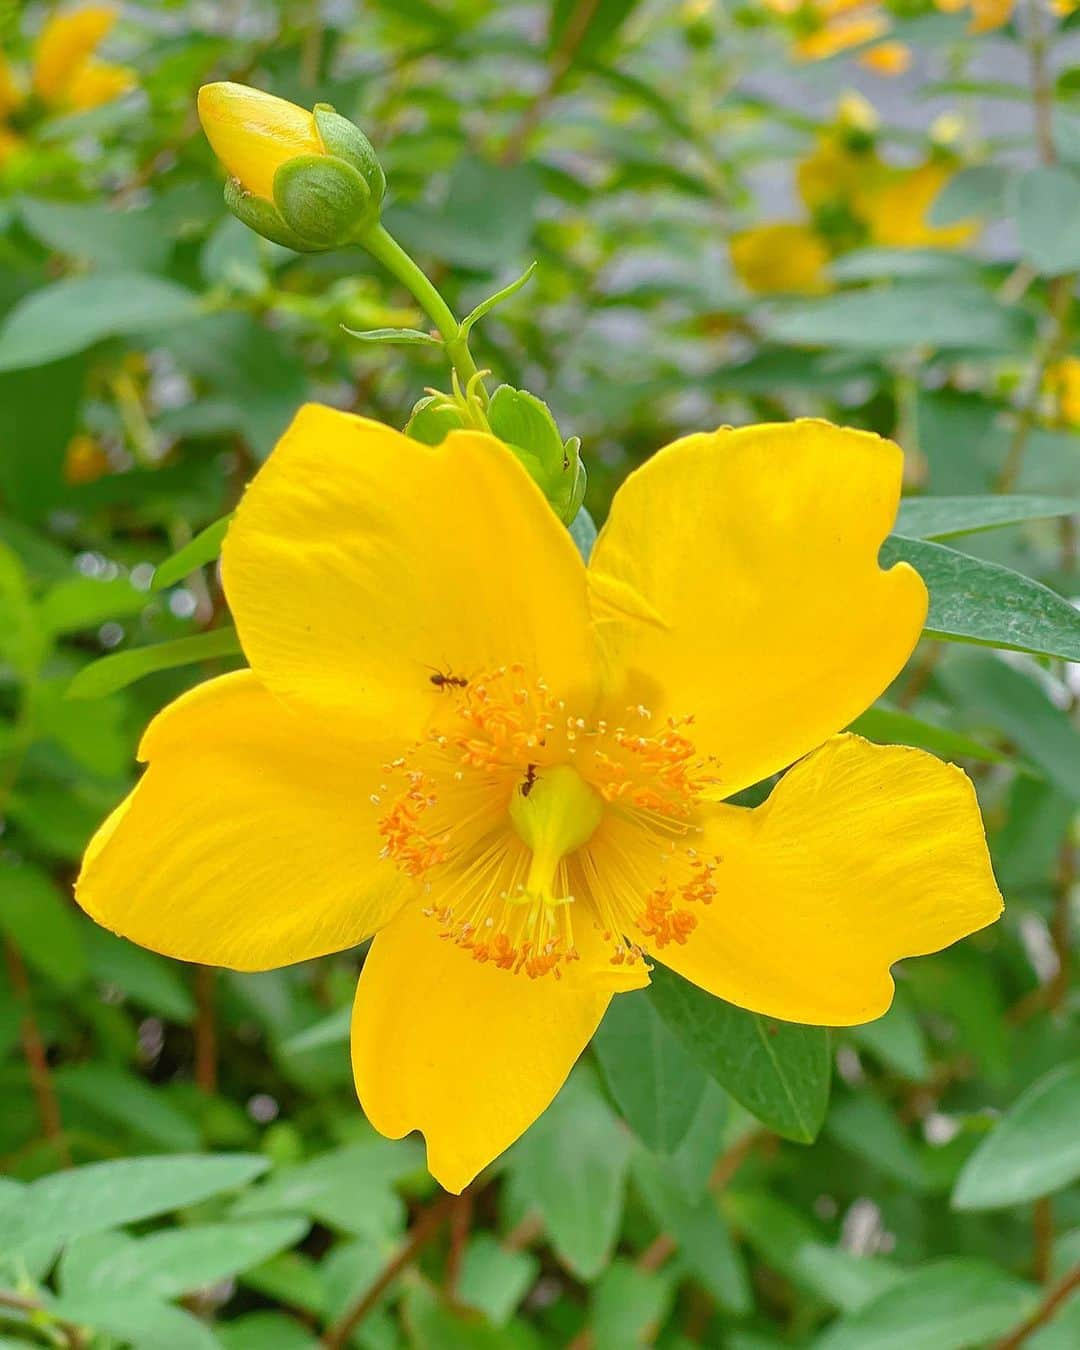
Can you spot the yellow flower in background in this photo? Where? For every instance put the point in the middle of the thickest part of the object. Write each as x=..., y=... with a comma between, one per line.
x=85, y=461
x=1063, y=382
x=888, y=58
x=66, y=75
x=11, y=91
x=896, y=208
x=780, y=257
x=510, y=766
x=827, y=28
x=254, y=133
x=986, y=15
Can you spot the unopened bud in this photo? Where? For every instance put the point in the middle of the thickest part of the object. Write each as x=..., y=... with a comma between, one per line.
x=309, y=180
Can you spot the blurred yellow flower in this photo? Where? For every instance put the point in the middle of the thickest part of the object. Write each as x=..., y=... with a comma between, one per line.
x=825, y=28
x=66, y=75
x=84, y=461
x=514, y=775
x=986, y=15
x=1063, y=382
x=780, y=257
x=254, y=133
x=887, y=58
x=896, y=208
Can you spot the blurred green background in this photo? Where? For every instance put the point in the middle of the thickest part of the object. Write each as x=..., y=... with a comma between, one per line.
x=740, y=212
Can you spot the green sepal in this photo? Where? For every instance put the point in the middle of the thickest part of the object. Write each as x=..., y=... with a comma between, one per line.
x=525, y=423
x=486, y=306
x=263, y=217
x=323, y=200
x=432, y=419
x=344, y=140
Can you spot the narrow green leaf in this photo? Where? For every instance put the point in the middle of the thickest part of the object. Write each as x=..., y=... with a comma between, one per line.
x=779, y=1071
x=117, y=671
x=992, y=693
x=1033, y=1151
x=401, y=337
x=941, y=517
x=486, y=306
x=982, y=602
x=947, y=1305
x=890, y=726
x=72, y=314
x=105, y=1195
x=204, y=548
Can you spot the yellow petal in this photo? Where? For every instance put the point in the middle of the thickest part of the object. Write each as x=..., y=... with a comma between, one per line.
x=11, y=92
x=466, y=1053
x=841, y=34
x=66, y=41
x=987, y=15
x=757, y=550
x=254, y=133
x=896, y=208
x=863, y=854
x=98, y=82
x=361, y=564
x=250, y=841
x=780, y=258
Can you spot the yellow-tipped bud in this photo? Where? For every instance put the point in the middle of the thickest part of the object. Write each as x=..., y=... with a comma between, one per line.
x=306, y=179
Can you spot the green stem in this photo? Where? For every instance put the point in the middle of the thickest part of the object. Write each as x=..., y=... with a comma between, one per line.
x=384, y=248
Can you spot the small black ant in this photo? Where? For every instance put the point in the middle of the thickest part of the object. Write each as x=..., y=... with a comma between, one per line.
x=448, y=680
x=530, y=780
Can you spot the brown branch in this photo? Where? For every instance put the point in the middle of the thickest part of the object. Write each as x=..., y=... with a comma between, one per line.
x=1042, y=1226
x=421, y=1233
x=460, y=1222
x=206, y=1077
x=562, y=59
x=74, y=1336
x=37, y=1063
x=1043, y=1313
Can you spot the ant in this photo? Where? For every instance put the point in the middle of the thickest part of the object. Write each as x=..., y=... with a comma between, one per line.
x=448, y=680
x=530, y=780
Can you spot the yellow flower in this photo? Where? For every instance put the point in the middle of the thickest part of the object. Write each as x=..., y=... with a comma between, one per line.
x=254, y=133
x=84, y=460
x=782, y=257
x=895, y=208
x=986, y=15
x=510, y=766
x=11, y=93
x=65, y=72
x=1063, y=382
x=887, y=58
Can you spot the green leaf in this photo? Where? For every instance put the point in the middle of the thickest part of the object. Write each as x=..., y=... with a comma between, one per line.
x=495, y=1279
x=796, y=1248
x=947, y=1305
x=583, y=532
x=140, y=1321
x=265, y=1331
x=333, y=1029
x=1033, y=1151
x=104, y=1195
x=982, y=602
x=890, y=726
x=629, y=1306
x=94, y=232
x=73, y=314
x=901, y=317
x=85, y=602
x=175, y=1261
x=146, y=978
x=897, y=1039
x=486, y=306
x=655, y=1083
x=571, y=1167
x=941, y=517
x=110, y=673
x=992, y=693
x=401, y=337
x=1047, y=209
x=977, y=193
x=130, y=1103
x=204, y=548
x=701, y=1231
x=43, y=923
x=779, y=1071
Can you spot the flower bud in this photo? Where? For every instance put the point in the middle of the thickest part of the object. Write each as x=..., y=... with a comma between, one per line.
x=525, y=424
x=309, y=180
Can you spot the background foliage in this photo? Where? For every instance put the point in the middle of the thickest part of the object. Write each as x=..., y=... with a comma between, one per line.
x=184, y=1161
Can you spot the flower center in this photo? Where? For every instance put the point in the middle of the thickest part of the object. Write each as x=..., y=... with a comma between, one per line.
x=554, y=813
x=522, y=822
